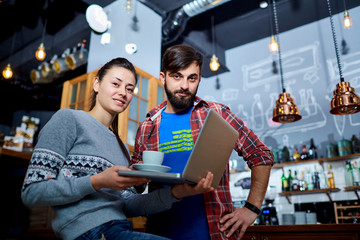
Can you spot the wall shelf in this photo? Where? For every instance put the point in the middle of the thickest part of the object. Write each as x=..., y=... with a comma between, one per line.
x=325, y=190
x=320, y=160
x=353, y=188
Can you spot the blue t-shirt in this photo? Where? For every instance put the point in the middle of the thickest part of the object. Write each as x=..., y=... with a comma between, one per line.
x=187, y=218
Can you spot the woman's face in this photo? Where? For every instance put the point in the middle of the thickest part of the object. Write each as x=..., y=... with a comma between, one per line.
x=115, y=91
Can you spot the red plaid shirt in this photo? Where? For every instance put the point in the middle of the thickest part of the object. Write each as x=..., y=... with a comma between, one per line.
x=218, y=202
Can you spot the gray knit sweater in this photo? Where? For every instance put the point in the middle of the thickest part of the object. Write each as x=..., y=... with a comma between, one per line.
x=72, y=146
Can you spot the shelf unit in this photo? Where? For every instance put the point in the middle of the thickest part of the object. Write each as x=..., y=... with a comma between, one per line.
x=287, y=194
x=320, y=160
x=353, y=188
x=342, y=209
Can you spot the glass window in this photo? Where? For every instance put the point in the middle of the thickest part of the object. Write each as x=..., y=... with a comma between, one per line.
x=73, y=93
x=82, y=91
x=131, y=134
x=136, y=90
x=144, y=88
x=143, y=109
x=133, y=108
x=160, y=94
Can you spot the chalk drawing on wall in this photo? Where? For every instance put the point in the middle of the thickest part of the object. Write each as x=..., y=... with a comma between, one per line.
x=209, y=98
x=313, y=116
x=350, y=69
x=304, y=60
x=257, y=114
x=285, y=140
x=339, y=121
x=354, y=119
x=230, y=94
x=244, y=116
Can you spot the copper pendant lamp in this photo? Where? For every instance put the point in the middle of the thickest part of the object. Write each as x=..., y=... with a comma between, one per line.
x=285, y=110
x=345, y=100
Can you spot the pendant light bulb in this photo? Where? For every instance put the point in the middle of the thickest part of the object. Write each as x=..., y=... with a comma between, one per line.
x=273, y=46
x=214, y=63
x=7, y=72
x=40, y=53
x=347, y=22
x=128, y=5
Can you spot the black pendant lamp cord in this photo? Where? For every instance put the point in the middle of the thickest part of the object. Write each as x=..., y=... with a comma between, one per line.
x=335, y=41
x=44, y=31
x=278, y=41
x=213, y=34
x=271, y=19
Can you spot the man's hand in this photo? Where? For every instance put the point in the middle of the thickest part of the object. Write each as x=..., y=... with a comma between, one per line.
x=110, y=178
x=184, y=190
x=240, y=219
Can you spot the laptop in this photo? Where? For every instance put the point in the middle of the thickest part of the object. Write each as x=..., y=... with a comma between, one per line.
x=211, y=152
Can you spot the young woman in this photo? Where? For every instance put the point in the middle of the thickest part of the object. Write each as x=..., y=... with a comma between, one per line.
x=74, y=167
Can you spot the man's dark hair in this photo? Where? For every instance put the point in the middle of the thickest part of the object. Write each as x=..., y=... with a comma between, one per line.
x=180, y=56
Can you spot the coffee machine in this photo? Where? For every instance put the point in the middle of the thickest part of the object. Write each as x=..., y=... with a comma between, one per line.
x=268, y=215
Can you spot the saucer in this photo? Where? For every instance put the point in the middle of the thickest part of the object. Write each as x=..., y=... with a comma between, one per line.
x=152, y=167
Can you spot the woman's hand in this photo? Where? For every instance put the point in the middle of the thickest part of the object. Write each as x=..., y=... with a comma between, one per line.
x=110, y=178
x=184, y=190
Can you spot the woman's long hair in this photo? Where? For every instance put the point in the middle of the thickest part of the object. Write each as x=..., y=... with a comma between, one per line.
x=116, y=62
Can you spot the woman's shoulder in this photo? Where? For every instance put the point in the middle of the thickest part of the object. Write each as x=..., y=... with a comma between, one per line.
x=66, y=115
x=66, y=112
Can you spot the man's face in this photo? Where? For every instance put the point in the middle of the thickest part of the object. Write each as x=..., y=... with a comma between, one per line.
x=181, y=87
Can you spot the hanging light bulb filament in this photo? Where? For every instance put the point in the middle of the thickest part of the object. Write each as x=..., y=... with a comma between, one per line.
x=214, y=63
x=40, y=53
x=347, y=22
x=7, y=72
x=273, y=46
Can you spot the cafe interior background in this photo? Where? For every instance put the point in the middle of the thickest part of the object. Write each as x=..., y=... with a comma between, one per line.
x=249, y=80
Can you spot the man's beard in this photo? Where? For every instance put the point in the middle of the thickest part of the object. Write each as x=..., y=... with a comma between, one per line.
x=180, y=102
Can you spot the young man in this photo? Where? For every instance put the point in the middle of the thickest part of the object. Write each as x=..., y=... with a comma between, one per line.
x=173, y=127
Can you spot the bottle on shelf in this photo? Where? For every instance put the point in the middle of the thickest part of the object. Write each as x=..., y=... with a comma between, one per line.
x=295, y=182
x=322, y=177
x=312, y=150
x=355, y=143
x=349, y=177
x=304, y=154
x=356, y=174
x=330, y=177
x=310, y=184
x=296, y=155
x=284, y=182
x=290, y=181
x=285, y=154
x=316, y=179
x=302, y=182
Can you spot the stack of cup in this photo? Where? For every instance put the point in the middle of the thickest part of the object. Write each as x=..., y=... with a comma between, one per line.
x=288, y=219
x=300, y=217
x=311, y=218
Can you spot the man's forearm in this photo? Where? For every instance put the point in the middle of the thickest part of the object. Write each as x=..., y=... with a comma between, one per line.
x=259, y=182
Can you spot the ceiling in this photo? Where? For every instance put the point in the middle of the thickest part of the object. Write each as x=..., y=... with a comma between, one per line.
x=236, y=22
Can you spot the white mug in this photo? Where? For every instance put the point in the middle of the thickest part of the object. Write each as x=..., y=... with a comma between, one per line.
x=153, y=157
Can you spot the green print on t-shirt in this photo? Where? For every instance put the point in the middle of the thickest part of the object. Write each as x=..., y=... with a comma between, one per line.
x=182, y=141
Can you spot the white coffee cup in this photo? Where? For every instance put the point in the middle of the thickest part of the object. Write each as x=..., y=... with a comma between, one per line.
x=153, y=157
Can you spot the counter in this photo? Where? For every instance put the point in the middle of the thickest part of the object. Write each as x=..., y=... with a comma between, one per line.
x=308, y=232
